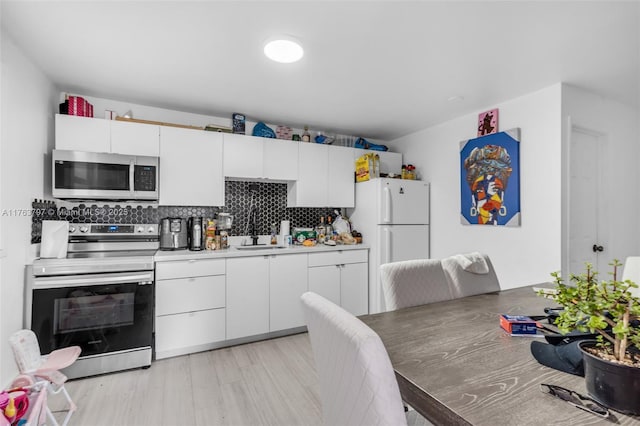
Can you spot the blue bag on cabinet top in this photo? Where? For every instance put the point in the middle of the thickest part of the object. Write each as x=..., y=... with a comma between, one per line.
x=362, y=143
x=262, y=130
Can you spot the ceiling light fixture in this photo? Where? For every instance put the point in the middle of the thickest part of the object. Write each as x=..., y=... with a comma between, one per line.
x=283, y=49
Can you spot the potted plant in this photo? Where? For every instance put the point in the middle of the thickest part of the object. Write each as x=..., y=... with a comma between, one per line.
x=609, y=309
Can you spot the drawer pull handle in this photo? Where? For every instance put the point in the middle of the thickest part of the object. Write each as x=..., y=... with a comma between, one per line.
x=192, y=260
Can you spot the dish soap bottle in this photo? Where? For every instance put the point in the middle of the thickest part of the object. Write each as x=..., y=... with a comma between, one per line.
x=306, y=136
x=274, y=233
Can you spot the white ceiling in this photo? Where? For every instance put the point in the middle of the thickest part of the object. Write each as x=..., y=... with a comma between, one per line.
x=378, y=69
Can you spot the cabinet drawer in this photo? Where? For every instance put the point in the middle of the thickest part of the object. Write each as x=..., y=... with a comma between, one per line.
x=189, y=268
x=190, y=329
x=337, y=257
x=190, y=294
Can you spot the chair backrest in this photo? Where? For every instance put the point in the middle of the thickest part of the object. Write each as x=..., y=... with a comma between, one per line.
x=631, y=272
x=413, y=282
x=26, y=350
x=470, y=274
x=357, y=382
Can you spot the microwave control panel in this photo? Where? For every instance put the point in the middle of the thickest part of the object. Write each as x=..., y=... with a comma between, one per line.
x=144, y=178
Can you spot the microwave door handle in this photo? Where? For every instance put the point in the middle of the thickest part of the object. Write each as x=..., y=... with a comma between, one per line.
x=132, y=168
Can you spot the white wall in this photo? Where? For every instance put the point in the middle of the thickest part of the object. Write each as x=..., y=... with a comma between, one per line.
x=27, y=98
x=522, y=255
x=619, y=125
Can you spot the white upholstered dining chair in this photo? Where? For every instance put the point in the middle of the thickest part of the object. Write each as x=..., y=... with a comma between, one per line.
x=631, y=272
x=357, y=382
x=413, y=282
x=470, y=274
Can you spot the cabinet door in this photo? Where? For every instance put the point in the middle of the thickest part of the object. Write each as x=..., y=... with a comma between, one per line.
x=135, y=138
x=243, y=156
x=325, y=280
x=189, y=294
x=82, y=133
x=247, y=296
x=310, y=190
x=340, y=184
x=287, y=282
x=354, y=290
x=280, y=159
x=190, y=167
x=175, y=334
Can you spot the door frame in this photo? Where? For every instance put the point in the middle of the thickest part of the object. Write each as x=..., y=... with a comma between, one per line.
x=603, y=199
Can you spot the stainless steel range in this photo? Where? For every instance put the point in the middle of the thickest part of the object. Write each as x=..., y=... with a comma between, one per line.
x=101, y=297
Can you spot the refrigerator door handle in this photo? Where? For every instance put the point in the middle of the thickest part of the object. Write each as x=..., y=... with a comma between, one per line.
x=387, y=204
x=387, y=245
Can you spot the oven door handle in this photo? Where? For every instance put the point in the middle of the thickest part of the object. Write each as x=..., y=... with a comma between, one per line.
x=89, y=280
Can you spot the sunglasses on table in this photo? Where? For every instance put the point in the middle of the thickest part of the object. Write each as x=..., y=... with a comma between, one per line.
x=577, y=400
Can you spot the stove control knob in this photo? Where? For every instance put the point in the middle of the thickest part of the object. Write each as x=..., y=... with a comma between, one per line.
x=151, y=230
x=84, y=229
x=140, y=229
x=72, y=229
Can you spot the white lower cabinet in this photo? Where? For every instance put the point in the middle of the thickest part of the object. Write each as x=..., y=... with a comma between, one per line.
x=287, y=282
x=247, y=296
x=206, y=303
x=181, y=333
x=190, y=306
x=341, y=277
x=325, y=280
x=354, y=290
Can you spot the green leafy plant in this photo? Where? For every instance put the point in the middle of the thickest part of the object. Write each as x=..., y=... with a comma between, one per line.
x=600, y=306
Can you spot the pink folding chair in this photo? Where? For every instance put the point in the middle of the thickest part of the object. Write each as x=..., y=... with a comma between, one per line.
x=32, y=364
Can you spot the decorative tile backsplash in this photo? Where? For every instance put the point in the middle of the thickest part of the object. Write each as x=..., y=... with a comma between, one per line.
x=270, y=199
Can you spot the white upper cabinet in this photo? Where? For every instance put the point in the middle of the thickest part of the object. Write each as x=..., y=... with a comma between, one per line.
x=280, y=159
x=190, y=167
x=340, y=181
x=251, y=157
x=76, y=133
x=243, y=156
x=310, y=190
x=325, y=177
x=135, y=138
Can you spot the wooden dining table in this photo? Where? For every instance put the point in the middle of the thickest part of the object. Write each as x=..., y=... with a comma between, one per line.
x=456, y=366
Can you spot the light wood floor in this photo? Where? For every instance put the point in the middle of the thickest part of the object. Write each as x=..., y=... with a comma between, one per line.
x=272, y=382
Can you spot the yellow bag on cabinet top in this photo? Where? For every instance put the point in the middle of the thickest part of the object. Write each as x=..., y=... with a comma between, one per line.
x=367, y=167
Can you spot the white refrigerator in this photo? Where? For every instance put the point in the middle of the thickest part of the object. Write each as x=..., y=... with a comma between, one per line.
x=393, y=217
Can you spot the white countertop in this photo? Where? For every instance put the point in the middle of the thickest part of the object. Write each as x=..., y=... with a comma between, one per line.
x=168, y=255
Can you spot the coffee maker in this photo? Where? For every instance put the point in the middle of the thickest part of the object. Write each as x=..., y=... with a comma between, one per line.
x=173, y=233
x=196, y=236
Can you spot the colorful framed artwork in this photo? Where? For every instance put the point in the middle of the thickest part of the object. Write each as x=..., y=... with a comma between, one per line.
x=488, y=122
x=490, y=179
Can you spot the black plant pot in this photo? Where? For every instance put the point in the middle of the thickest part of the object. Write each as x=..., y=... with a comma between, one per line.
x=613, y=385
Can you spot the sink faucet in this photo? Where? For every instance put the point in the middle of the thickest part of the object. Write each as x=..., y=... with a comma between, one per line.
x=253, y=215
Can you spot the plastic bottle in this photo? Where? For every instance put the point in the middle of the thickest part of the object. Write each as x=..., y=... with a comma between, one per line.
x=274, y=234
x=330, y=235
x=306, y=136
x=321, y=231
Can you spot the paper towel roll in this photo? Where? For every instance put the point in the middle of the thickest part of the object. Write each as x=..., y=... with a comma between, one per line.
x=284, y=227
x=55, y=234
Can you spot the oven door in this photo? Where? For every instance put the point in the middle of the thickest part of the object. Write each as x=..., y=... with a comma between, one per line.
x=99, y=312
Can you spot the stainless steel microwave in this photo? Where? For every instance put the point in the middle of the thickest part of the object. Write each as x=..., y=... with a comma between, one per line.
x=103, y=176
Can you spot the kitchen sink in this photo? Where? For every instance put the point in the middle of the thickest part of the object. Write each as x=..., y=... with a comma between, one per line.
x=259, y=247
